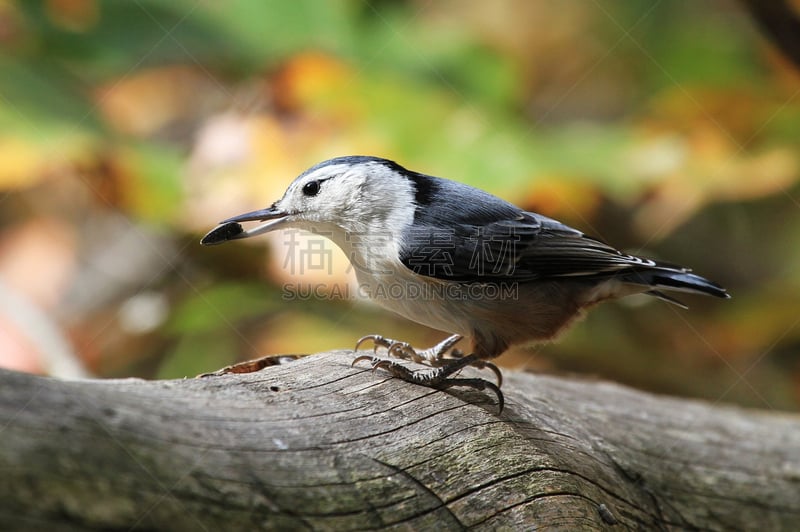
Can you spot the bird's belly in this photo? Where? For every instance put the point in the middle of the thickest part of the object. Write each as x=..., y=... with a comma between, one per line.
x=495, y=315
x=449, y=306
x=436, y=304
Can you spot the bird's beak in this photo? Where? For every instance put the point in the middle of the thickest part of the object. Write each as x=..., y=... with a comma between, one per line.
x=231, y=229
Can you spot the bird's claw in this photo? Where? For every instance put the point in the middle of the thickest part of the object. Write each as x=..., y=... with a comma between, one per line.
x=405, y=351
x=377, y=340
x=482, y=364
x=441, y=367
x=433, y=357
x=382, y=363
x=395, y=348
x=438, y=378
x=372, y=360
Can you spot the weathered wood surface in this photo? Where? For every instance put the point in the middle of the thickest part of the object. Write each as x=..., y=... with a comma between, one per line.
x=316, y=444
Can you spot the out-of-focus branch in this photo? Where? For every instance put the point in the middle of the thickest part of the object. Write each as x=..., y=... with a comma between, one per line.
x=779, y=21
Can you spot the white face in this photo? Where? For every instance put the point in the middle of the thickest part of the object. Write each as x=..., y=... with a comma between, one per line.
x=331, y=195
x=356, y=198
x=364, y=197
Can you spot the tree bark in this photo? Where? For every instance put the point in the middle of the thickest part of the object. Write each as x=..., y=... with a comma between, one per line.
x=316, y=444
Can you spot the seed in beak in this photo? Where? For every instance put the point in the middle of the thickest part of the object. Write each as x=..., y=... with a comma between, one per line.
x=222, y=233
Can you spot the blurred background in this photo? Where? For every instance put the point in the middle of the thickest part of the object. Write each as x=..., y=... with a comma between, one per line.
x=129, y=128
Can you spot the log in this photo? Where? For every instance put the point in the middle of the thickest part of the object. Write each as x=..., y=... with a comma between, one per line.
x=317, y=444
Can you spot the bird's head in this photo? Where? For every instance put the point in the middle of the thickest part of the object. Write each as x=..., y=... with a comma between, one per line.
x=356, y=194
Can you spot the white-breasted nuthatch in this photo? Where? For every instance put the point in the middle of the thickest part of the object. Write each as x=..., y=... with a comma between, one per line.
x=457, y=259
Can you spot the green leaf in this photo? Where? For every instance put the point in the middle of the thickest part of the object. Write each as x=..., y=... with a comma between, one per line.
x=221, y=308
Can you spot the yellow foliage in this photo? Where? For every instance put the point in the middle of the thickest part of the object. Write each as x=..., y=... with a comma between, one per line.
x=713, y=167
x=561, y=198
x=314, y=78
x=21, y=163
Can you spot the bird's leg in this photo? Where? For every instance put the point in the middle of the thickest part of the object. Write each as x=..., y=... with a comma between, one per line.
x=433, y=356
x=439, y=377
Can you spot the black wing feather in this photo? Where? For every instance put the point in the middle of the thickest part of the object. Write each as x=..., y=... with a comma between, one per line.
x=526, y=247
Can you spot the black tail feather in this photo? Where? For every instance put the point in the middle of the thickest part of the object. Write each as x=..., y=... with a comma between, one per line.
x=675, y=279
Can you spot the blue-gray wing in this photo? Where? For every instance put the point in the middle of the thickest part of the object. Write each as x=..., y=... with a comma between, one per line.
x=508, y=246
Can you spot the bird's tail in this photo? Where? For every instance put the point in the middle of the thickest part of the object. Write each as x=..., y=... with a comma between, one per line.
x=666, y=277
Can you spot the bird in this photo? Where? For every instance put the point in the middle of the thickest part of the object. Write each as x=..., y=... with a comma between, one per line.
x=458, y=259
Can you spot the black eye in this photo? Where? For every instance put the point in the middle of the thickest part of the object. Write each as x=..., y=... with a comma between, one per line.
x=311, y=188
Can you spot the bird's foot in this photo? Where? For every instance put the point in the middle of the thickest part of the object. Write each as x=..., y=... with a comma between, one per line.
x=438, y=377
x=433, y=356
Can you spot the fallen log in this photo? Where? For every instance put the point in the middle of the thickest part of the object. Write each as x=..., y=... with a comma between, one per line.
x=318, y=444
